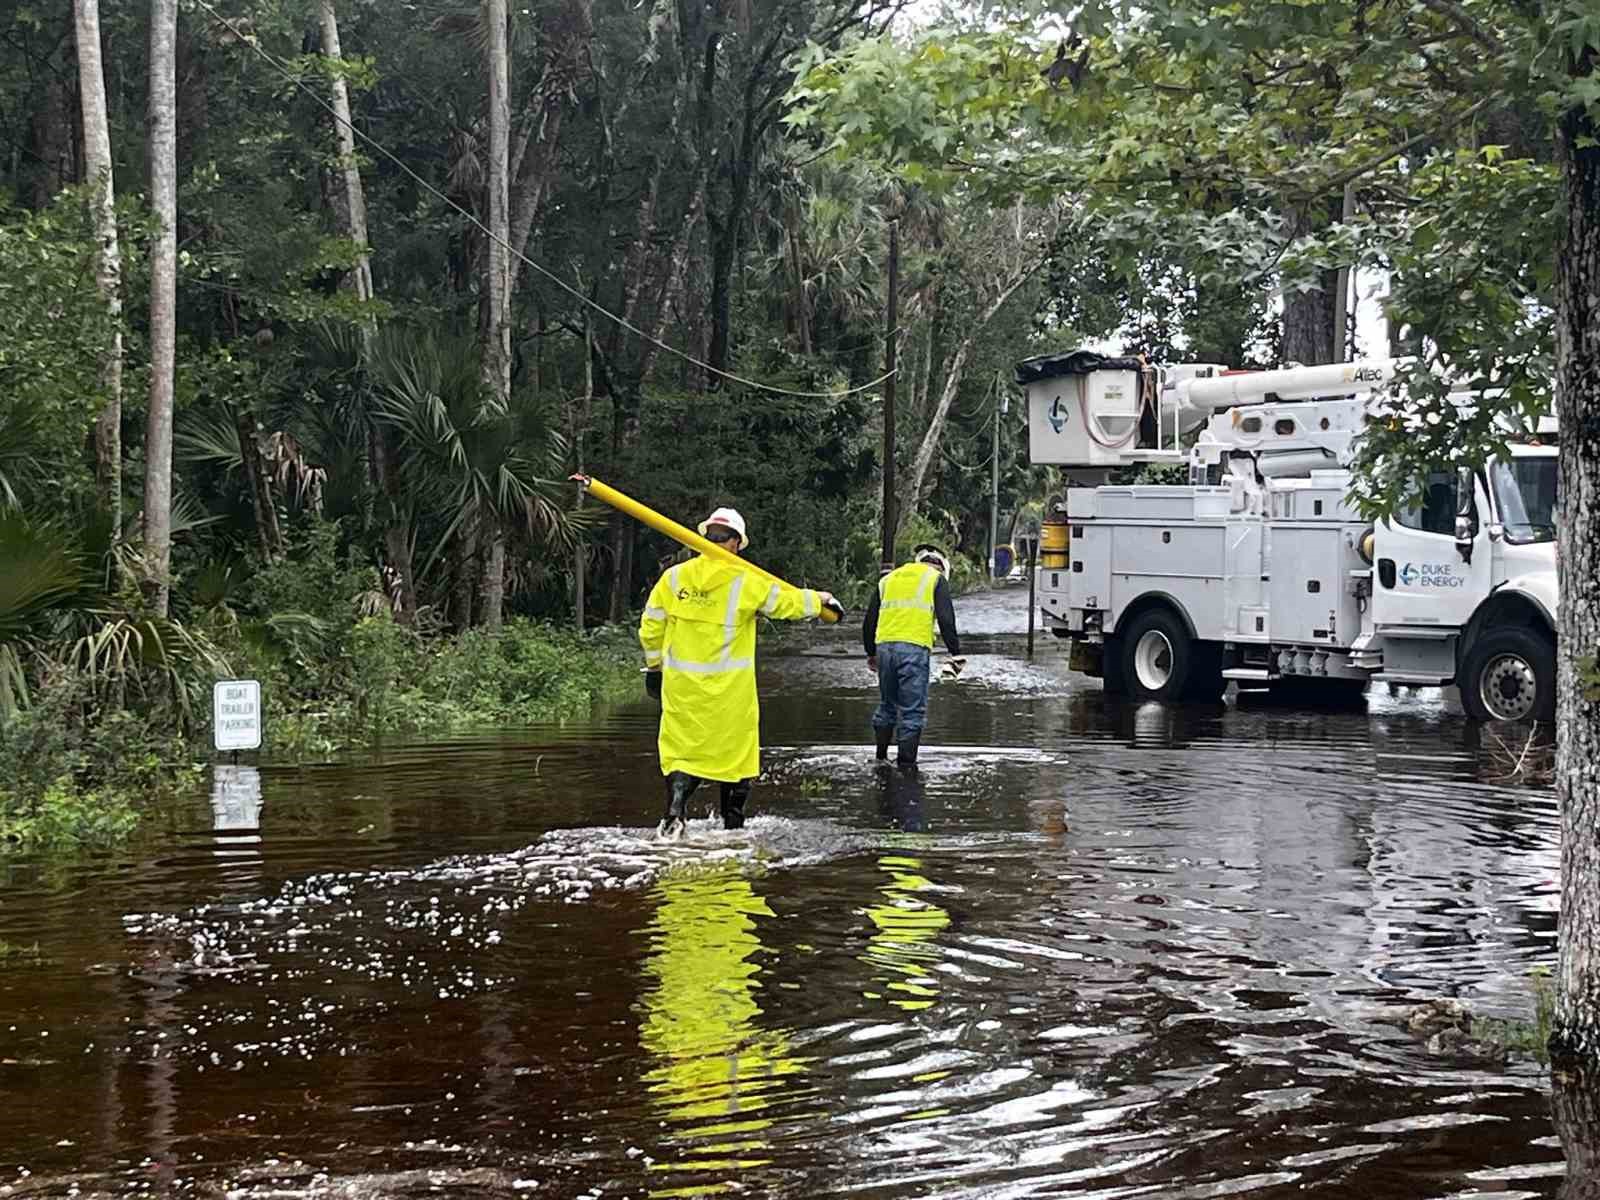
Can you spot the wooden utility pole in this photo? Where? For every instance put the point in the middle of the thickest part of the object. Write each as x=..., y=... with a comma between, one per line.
x=891, y=337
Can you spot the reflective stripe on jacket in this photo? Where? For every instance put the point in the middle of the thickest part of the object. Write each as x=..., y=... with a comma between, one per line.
x=905, y=605
x=699, y=627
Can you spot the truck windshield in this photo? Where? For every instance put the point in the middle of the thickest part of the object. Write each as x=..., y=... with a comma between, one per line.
x=1525, y=490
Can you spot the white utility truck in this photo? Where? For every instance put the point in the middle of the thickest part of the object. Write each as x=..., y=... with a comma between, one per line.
x=1259, y=569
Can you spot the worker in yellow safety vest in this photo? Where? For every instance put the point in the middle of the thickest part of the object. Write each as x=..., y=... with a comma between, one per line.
x=699, y=639
x=897, y=634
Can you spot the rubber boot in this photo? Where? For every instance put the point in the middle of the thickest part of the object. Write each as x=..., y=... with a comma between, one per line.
x=884, y=736
x=908, y=750
x=676, y=819
x=734, y=796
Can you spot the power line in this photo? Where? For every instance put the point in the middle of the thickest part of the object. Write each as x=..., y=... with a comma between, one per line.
x=283, y=70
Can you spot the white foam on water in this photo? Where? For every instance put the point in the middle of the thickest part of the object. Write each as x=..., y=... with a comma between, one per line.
x=935, y=761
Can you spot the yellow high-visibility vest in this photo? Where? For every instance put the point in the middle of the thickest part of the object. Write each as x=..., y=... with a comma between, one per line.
x=699, y=628
x=905, y=605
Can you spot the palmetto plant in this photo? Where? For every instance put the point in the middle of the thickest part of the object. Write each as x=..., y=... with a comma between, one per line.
x=58, y=605
x=488, y=471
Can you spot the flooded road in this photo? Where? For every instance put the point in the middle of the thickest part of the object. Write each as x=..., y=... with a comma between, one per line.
x=1091, y=949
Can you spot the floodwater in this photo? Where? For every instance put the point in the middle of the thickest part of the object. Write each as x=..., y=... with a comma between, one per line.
x=1091, y=949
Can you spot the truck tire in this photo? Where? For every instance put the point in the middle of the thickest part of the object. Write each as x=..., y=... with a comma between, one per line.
x=1157, y=656
x=1510, y=675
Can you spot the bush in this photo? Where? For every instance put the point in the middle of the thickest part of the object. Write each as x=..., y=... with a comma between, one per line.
x=73, y=772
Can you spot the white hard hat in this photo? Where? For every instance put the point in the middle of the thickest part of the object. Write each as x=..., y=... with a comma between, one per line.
x=729, y=517
x=934, y=558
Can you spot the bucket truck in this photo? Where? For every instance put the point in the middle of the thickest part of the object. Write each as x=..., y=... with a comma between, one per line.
x=1258, y=569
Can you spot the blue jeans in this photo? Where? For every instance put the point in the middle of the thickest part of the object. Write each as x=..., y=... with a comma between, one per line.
x=902, y=688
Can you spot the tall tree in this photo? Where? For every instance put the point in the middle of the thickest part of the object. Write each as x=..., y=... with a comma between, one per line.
x=1577, y=392
x=1009, y=259
x=108, y=263
x=351, y=206
x=496, y=316
x=163, y=300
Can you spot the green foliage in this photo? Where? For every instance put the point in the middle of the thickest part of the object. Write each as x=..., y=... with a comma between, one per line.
x=76, y=772
x=389, y=681
x=1472, y=265
x=52, y=329
x=1527, y=1039
x=64, y=817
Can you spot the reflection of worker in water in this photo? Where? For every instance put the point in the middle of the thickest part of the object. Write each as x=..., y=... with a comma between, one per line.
x=699, y=638
x=897, y=634
x=907, y=926
x=713, y=1064
x=900, y=800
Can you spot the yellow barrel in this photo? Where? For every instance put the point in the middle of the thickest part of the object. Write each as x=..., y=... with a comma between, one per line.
x=1053, y=544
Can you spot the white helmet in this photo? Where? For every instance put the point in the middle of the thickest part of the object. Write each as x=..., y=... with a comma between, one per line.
x=931, y=555
x=729, y=517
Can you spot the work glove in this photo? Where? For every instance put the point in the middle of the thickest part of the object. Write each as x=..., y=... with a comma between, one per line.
x=652, y=685
x=951, y=668
x=872, y=663
x=829, y=602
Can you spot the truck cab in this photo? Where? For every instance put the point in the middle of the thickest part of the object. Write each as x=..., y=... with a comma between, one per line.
x=1475, y=561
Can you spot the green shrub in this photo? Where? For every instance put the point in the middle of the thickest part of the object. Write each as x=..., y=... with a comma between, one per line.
x=65, y=815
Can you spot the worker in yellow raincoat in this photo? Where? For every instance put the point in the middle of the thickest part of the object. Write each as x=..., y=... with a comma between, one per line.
x=699, y=639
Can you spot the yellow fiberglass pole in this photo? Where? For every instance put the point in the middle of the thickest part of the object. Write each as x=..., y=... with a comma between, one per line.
x=686, y=536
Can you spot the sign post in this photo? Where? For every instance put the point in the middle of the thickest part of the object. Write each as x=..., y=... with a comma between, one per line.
x=236, y=714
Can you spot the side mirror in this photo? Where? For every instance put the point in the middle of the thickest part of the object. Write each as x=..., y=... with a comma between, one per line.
x=1466, y=516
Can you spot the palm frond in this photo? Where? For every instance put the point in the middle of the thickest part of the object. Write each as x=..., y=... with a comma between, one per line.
x=41, y=569
x=13, y=682
x=123, y=649
x=22, y=435
x=210, y=438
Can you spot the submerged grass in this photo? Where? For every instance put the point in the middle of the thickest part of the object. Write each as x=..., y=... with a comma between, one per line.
x=1524, y=1039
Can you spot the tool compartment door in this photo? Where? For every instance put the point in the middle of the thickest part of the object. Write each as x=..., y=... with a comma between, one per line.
x=1311, y=591
x=1183, y=560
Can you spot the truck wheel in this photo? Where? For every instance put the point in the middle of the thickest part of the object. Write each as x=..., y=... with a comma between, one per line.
x=1510, y=675
x=1156, y=656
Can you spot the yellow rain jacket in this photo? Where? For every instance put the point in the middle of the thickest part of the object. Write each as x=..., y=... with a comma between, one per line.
x=905, y=604
x=699, y=628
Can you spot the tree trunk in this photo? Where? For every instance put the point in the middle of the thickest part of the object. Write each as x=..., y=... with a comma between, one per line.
x=1308, y=319
x=463, y=553
x=351, y=199
x=268, y=534
x=396, y=531
x=580, y=553
x=496, y=331
x=108, y=263
x=1576, y=1040
x=351, y=206
x=492, y=591
x=163, y=301
x=54, y=155
x=952, y=385
x=1576, y=1109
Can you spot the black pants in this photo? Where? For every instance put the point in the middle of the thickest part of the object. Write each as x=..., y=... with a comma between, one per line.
x=734, y=795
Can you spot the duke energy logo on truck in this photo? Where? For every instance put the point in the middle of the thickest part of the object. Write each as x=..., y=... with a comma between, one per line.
x=1057, y=415
x=1430, y=575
